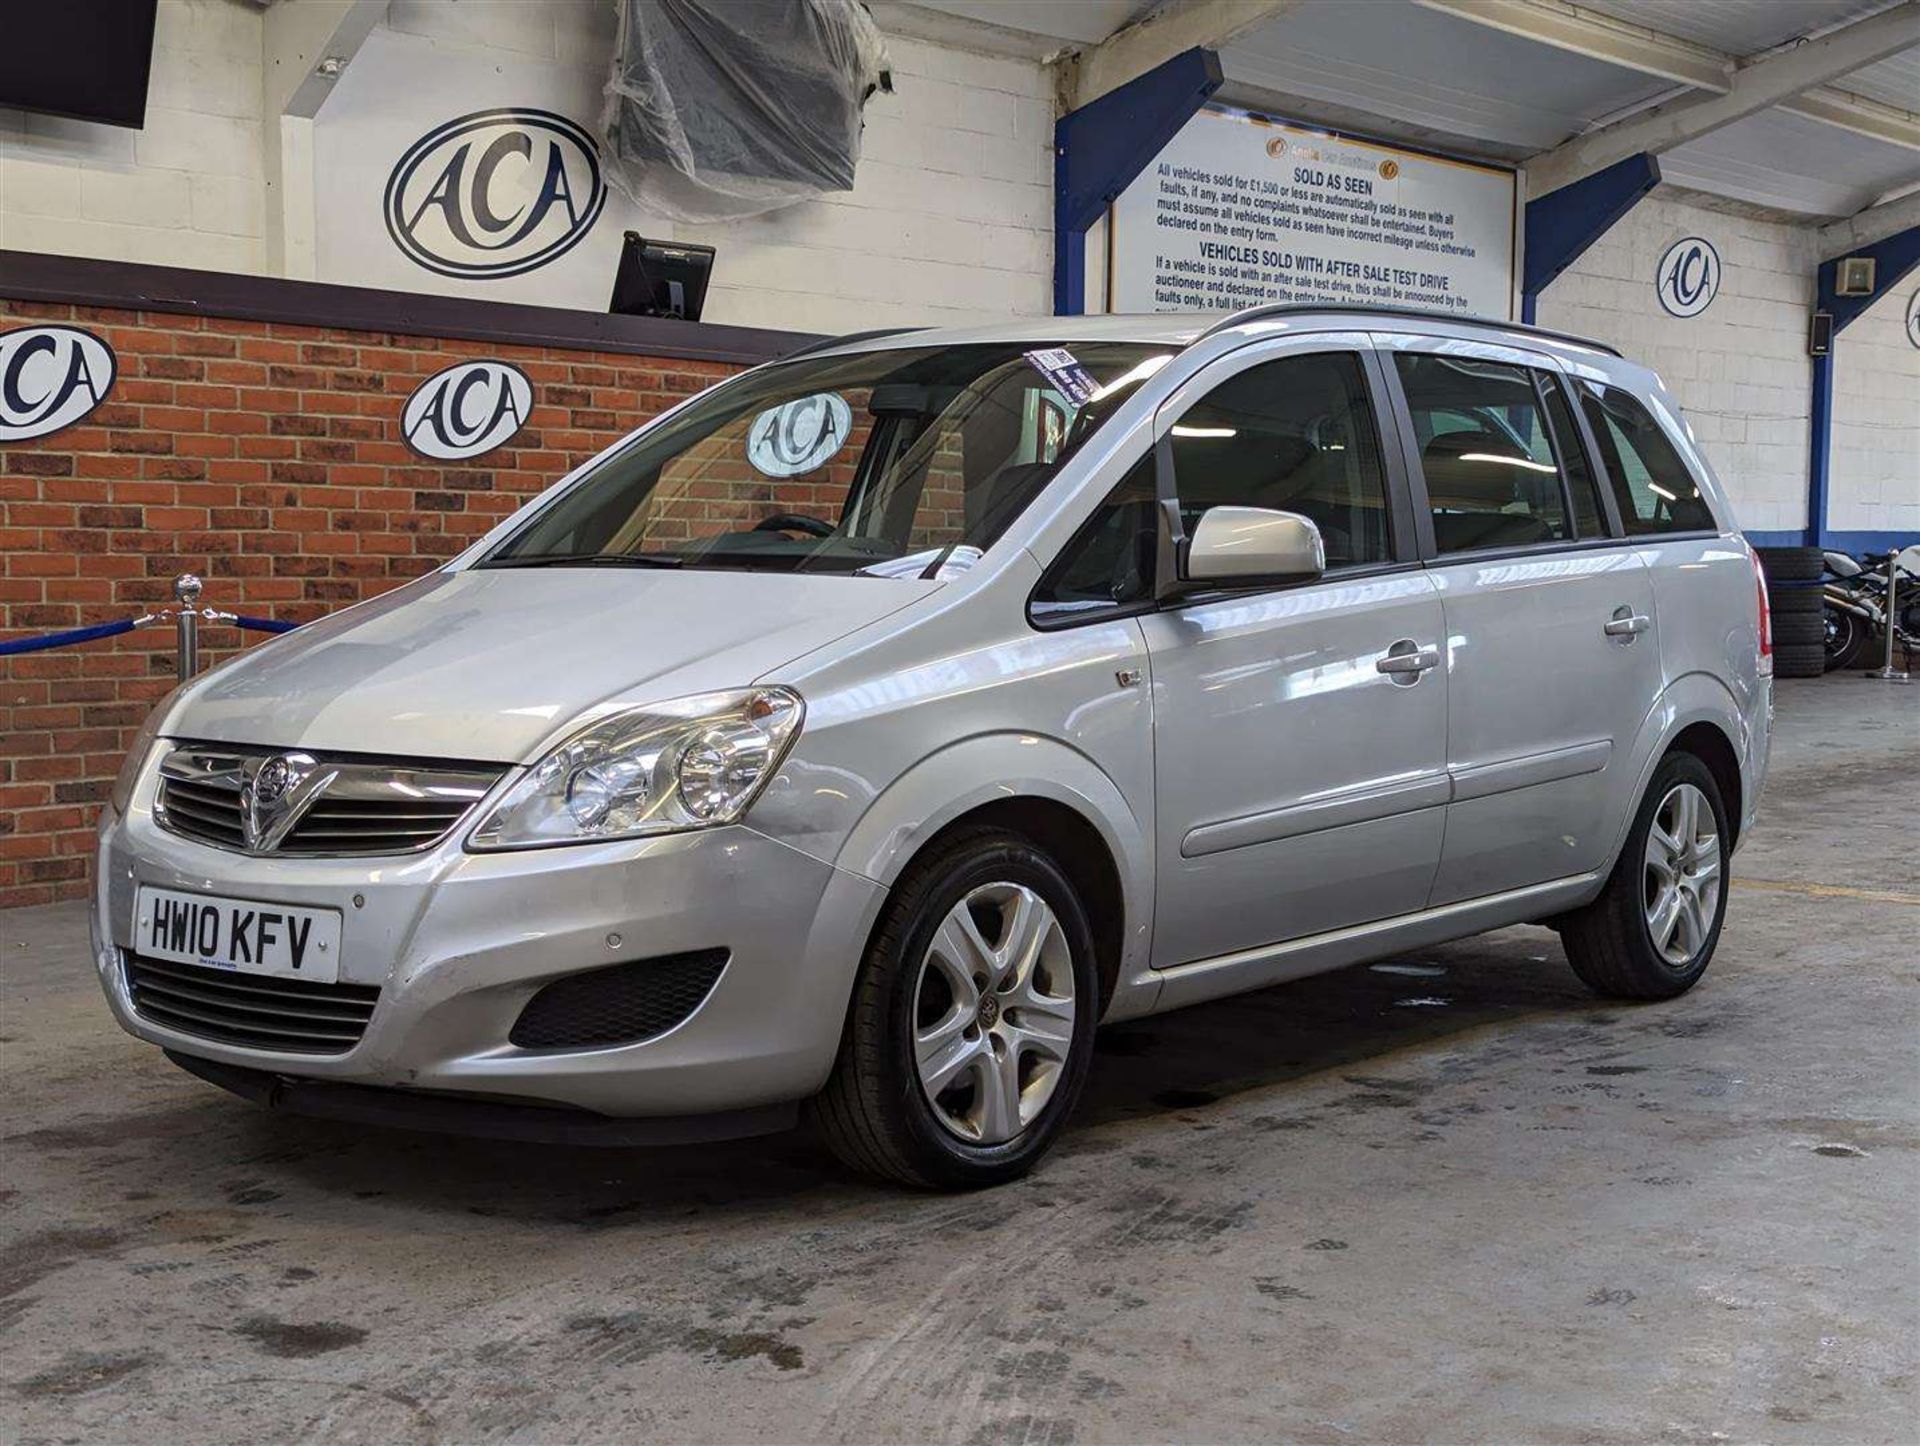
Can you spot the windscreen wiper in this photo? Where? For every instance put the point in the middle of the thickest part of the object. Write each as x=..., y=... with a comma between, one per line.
x=592, y=559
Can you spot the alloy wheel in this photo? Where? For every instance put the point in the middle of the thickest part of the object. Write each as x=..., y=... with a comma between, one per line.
x=993, y=1013
x=1682, y=877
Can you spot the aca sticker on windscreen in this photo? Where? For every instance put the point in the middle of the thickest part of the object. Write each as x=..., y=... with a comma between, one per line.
x=798, y=436
x=1063, y=369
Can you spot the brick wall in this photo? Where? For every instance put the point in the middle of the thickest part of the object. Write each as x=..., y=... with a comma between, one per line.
x=267, y=458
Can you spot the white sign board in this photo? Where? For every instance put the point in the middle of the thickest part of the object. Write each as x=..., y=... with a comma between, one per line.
x=51, y=377
x=438, y=170
x=1239, y=211
x=466, y=410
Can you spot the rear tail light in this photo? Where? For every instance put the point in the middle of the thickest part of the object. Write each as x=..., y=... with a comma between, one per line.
x=1766, y=614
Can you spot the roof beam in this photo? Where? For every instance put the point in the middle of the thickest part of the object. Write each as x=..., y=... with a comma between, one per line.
x=1647, y=52
x=1562, y=26
x=1775, y=78
x=297, y=43
x=298, y=39
x=965, y=29
x=1173, y=29
x=1869, y=227
x=1856, y=113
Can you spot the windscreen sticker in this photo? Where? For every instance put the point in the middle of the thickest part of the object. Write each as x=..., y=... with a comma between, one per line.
x=945, y=563
x=799, y=435
x=1063, y=369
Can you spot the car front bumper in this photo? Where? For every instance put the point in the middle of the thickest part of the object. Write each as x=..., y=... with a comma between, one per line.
x=459, y=942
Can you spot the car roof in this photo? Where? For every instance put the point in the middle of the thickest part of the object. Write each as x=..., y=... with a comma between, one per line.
x=1182, y=329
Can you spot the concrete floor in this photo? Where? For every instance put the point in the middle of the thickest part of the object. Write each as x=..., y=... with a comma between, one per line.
x=1452, y=1200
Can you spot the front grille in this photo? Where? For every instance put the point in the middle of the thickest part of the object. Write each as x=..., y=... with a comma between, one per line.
x=288, y=1016
x=620, y=1004
x=207, y=811
x=337, y=805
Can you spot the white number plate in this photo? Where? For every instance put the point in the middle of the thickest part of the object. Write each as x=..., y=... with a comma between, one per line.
x=244, y=935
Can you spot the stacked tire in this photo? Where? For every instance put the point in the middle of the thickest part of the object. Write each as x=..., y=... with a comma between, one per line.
x=1797, y=600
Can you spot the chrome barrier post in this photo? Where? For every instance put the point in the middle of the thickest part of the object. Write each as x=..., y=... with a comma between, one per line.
x=186, y=588
x=1886, y=672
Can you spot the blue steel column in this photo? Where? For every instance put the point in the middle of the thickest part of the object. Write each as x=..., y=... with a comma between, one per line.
x=1819, y=449
x=1099, y=149
x=1894, y=259
x=1562, y=224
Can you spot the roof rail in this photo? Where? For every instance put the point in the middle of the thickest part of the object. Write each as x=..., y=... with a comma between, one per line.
x=828, y=342
x=1297, y=308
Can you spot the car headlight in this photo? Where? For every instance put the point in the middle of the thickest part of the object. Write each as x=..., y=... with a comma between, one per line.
x=691, y=763
x=138, y=751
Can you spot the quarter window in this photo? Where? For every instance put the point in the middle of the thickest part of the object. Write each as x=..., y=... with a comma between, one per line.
x=1654, y=489
x=1493, y=478
x=1297, y=435
x=1109, y=563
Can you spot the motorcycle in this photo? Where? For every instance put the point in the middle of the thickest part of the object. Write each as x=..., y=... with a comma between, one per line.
x=1854, y=591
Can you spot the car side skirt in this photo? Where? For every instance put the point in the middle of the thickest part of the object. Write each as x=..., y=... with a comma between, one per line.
x=1205, y=979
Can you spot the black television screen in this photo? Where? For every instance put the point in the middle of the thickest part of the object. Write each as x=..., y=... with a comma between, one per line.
x=87, y=59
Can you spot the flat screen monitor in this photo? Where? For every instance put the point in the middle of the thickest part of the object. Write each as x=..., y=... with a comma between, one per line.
x=661, y=278
x=87, y=59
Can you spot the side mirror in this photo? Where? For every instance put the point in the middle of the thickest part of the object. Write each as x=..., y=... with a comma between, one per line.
x=1246, y=546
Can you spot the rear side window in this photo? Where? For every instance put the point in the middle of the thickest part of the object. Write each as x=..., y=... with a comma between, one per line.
x=1298, y=435
x=1582, y=486
x=1487, y=452
x=1654, y=489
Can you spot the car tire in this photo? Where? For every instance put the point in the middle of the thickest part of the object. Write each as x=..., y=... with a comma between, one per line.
x=1800, y=629
x=1015, y=1054
x=1796, y=600
x=1624, y=945
x=1792, y=564
x=1799, y=660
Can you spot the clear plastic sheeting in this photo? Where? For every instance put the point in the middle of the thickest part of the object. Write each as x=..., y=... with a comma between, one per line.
x=725, y=108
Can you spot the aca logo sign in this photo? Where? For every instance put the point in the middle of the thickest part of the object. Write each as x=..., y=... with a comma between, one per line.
x=1913, y=318
x=1688, y=277
x=798, y=436
x=466, y=410
x=495, y=193
x=50, y=377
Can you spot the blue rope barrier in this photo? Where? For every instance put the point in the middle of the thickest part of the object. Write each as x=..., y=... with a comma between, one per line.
x=66, y=639
x=264, y=625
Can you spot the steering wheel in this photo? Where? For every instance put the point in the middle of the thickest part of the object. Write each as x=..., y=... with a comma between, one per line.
x=795, y=522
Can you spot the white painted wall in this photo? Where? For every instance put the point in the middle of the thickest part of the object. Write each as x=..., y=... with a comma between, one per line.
x=1740, y=368
x=950, y=219
x=1875, y=476
x=184, y=191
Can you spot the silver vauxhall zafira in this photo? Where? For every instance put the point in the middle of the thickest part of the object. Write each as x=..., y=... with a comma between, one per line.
x=856, y=737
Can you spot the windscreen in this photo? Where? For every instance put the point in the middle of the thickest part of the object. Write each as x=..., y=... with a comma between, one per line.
x=905, y=462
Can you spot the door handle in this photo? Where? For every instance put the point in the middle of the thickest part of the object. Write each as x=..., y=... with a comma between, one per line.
x=1406, y=660
x=1626, y=623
